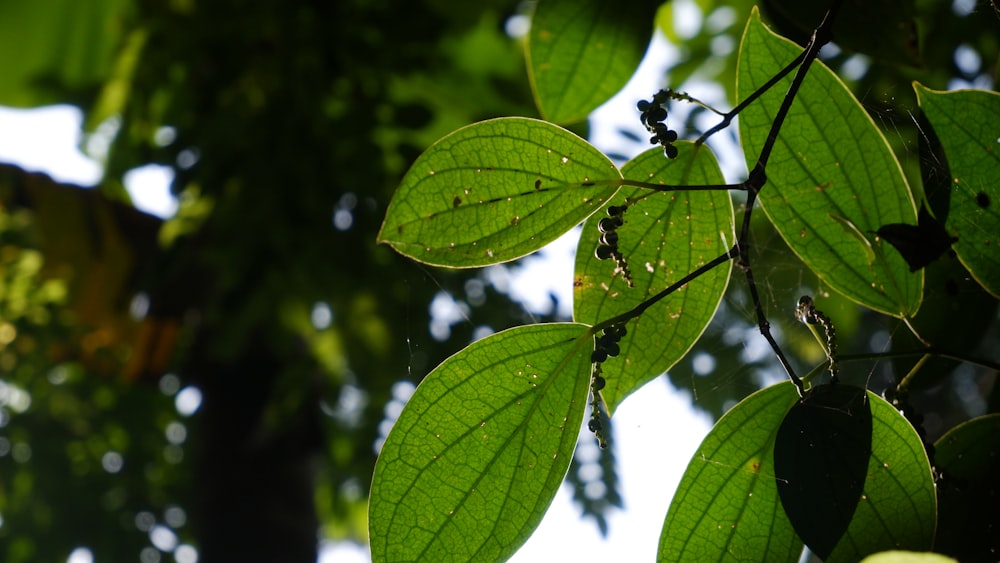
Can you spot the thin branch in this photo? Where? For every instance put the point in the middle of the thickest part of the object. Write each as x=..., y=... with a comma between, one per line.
x=641, y=307
x=727, y=118
x=740, y=252
x=672, y=188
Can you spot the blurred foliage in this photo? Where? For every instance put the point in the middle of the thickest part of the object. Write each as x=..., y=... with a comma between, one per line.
x=287, y=125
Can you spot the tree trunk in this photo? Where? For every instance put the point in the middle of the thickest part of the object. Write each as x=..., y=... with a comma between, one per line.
x=254, y=483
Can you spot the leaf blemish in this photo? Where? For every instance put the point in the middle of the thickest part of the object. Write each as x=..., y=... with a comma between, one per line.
x=538, y=184
x=456, y=202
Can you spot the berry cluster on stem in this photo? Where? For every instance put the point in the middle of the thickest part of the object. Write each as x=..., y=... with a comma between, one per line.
x=605, y=346
x=607, y=247
x=654, y=117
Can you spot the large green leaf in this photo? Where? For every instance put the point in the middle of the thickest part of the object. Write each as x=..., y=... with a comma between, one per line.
x=53, y=48
x=582, y=52
x=726, y=505
x=967, y=124
x=481, y=448
x=495, y=191
x=665, y=236
x=898, y=509
x=821, y=457
x=968, y=457
x=907, y=557
x=832, y=178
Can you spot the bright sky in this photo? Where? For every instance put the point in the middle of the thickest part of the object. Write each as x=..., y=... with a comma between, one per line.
x=656, y=429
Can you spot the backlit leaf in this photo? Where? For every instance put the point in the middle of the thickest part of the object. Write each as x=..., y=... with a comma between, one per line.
x=726, y=506
x=480, y=450
x=664, y=237
x=898, y=509
x=53, y=50
x=968, y=457
x=907, y=557
x=495, y=191
x=967, y=123
x=820, y=461
x=832, y=178
x=582, y=52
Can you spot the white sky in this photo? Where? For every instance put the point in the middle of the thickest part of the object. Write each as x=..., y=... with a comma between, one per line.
x=656, y=429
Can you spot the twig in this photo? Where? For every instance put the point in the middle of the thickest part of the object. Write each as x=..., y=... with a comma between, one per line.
x=756, y=180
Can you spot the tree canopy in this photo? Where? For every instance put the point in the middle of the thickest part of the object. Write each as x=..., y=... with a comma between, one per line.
x=339, y=166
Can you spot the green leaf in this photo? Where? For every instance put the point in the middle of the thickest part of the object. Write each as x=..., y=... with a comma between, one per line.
x=666, y=235
x=495, y=191
x=832, y=178
x=967, y=123
x=968, y=457
x=51, y=48
x=898, y=509
x=480, y=450
x=820, y=460
x=726, y=505
x=582, y=52
x=907, y=557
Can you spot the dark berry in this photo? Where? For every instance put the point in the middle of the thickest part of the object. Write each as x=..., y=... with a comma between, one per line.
x=643, y=105
x=612, y=349
x=598, y=356
x=670, y=151
x=603, y=252
x=594, y=425
x=669, y=136
x=616, y=331
x=657, y=114
x=616, y=210
x=609, y=238
x=607, y=225
x=599, y=383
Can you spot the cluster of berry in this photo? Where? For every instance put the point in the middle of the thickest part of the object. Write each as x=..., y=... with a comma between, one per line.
x=653, y=117
x=807, y=313
x=607, y=248
x=605, y=346
x=595, y=424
